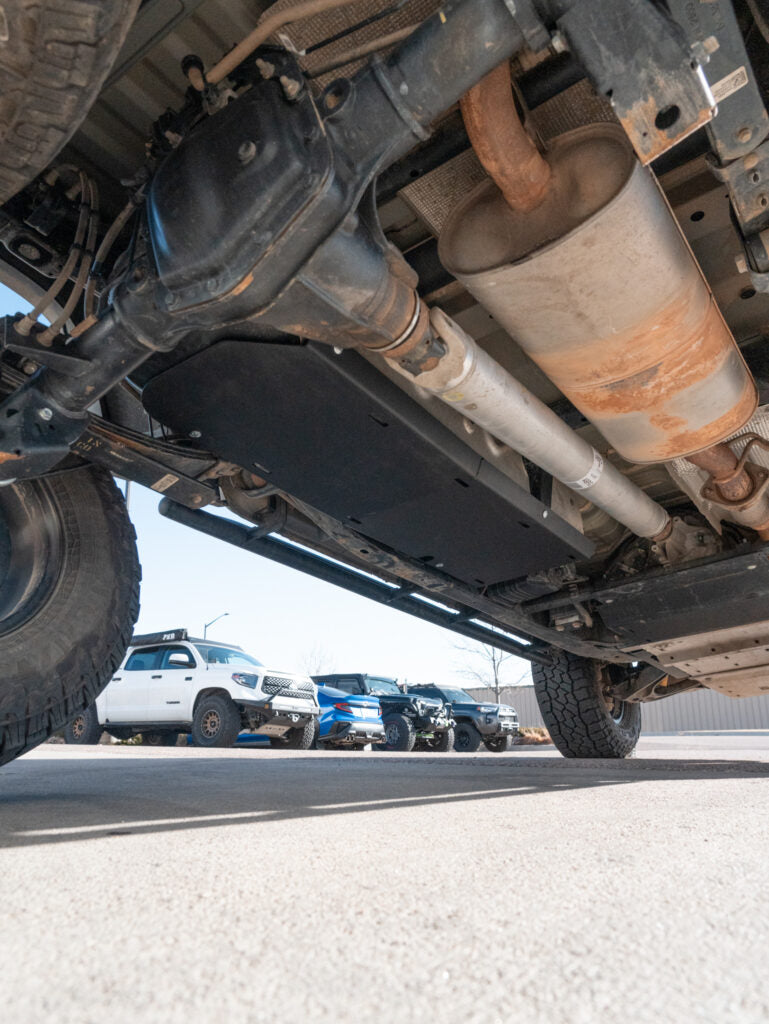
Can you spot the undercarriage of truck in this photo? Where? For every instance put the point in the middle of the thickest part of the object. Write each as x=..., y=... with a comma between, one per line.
x=462, y=308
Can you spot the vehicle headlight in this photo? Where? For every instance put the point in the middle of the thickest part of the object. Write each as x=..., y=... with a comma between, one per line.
x=245, y=679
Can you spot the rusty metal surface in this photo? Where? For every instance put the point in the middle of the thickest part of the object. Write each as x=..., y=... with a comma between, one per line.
x=721, y=463
x=598, y=286
x=502, y=143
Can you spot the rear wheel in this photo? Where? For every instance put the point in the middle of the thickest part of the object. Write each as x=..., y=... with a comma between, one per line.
x=499, y=744
x=301, y=738
x=69, y=596
x=582, y=717
x=467, y=739
x=84, y=728
x=216, y=722
x=54, y=57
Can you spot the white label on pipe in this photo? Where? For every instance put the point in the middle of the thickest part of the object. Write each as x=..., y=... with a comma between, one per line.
x=590, y=478
x=729, y=84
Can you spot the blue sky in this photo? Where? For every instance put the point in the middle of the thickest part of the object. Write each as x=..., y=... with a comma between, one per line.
x=278, y=614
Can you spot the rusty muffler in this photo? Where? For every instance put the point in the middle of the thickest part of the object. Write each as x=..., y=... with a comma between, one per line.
x=599, y=287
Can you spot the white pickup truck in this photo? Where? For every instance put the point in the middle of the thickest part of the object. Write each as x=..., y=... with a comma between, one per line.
x=171, y=683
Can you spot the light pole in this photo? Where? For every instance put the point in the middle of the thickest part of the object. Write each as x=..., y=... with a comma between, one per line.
x=205, y=628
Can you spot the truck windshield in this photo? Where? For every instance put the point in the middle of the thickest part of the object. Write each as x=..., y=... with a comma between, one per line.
x=213, y=655
x=379, y=686
x=454, y=694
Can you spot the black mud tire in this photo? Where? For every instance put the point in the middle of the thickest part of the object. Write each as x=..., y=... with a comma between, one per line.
x=161, y=738
x=69, y=596
x=467, y=739
x=216, y=722
x=54, y=58
x=438, y=743
x=400, y=733
x=499, y=744
x=301, y=738
x=84, y=728
x=578, y=717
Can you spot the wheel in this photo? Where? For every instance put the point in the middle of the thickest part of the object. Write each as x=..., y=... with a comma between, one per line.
x=54, y=57
x=84, y=728
x=159, y=739
x=499, y=745
x=467, y=739
x=69, y=596
x=581, y=716
x=216, y=722
x=440, y=742
x=399, y=733
x=301, y=738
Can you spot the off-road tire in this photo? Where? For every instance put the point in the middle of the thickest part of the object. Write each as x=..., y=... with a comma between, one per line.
x=216, y=722
x=439, y=743
x=499, y=744
x=68, y=538
x=84, y=728
x=578, y=718
x=467, y=739
x=301, y=738
x=399, y=733
x=54, y=58
x=159, y=739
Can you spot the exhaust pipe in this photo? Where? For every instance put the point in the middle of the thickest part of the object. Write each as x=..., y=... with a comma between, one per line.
x=467, y=379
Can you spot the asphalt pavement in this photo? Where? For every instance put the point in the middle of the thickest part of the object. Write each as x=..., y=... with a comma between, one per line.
x=165, y=885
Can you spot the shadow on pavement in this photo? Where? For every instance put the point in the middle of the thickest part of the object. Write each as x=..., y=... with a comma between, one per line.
x=48, y=800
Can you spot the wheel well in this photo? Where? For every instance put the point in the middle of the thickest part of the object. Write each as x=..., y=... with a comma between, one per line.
x=212, y=691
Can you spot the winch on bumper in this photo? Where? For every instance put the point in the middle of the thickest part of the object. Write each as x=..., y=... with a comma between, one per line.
x=430, y=719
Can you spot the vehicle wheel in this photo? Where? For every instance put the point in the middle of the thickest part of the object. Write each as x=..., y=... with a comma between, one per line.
x=300, y=738
x=582, y=719
x=399, y=733
x=216, y=722
x=84, y=728
x=54, y=57
x=467, y=739
x=438, y=743
x=69, y=596
x=499, y=745
x=159, y=739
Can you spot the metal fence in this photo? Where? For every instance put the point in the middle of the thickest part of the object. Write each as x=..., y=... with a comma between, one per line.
x=698, y=710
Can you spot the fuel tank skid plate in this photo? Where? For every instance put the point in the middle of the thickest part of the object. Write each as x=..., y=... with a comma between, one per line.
x=332, y=431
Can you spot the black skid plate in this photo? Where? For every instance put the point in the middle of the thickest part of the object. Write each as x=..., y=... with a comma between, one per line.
x=335, y=433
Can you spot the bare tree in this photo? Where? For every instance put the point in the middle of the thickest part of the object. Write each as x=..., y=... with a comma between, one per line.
x=317, y=660
x=483, y=664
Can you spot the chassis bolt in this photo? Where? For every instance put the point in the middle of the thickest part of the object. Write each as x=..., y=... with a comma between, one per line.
x=246, y=152
x=45, y=413
x=558, y=42
x=29, y=367
x=195, y=433
x=744, y=135
x=291, y=87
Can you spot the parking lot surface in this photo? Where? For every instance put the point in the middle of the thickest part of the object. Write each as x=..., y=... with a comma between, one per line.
x=186, y=885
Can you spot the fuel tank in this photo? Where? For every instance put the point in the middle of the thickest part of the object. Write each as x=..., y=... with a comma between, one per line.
x=598, y=286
